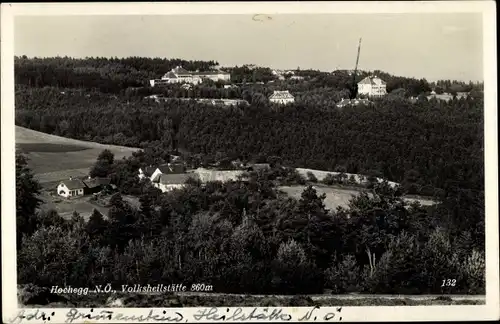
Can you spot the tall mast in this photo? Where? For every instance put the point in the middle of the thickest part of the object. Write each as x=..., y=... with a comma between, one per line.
x=354, y=91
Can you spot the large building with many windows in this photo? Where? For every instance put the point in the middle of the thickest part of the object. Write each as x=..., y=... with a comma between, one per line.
x=372, y=86
x=181, y=75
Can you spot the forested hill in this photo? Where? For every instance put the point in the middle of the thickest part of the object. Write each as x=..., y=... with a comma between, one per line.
x=427, y=145
x=115, y=75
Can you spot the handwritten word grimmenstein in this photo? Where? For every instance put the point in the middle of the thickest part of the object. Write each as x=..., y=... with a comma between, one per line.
x=163, y=316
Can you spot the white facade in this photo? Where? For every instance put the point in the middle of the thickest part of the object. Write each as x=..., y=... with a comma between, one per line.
x=65, y=192
x=180, y=75
x=168, y=187
x=282, y=97
x=206, y=175
x=372, y=86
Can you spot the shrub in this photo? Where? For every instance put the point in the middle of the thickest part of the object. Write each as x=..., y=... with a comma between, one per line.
x=311, y=177
x=344, y=276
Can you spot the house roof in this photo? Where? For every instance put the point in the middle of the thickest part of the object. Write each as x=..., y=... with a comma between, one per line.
x=171, y=168
x=73, y=184
x=148, y=171
x=179, y=70
x=96, y=182
x=170, y=75
x=172, y=179
x=373, y=80
x=210, y=73
x=281, y=95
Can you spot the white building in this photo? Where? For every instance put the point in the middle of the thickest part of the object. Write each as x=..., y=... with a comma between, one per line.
x=180, y=75
x=352, y=102
x=71, y=188
x=372, y=86
x=282, y=97
x=169, y=182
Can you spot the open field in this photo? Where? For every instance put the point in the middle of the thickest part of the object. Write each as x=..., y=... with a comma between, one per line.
x=320, y=175
x=82, y=205
x=66, y=207
x=53, y=158
x=336, y=197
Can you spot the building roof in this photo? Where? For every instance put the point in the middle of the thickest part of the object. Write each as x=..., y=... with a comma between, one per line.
x=148, y=171
x=281, y=95
x=73, y=184
x=96, y=182
x=179, y=70
x=171, y=168
x=373, y=80
x=210, y=73
x=174, y=179
x=170, y=75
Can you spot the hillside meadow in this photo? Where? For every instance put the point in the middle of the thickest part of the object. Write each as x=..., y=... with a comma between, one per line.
x=53, y=158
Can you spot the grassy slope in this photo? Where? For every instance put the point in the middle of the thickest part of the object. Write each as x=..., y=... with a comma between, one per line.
x=54, y=158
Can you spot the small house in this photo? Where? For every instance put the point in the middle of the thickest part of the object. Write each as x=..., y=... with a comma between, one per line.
x=152, y=172
x=282, y=97
x=71, y=188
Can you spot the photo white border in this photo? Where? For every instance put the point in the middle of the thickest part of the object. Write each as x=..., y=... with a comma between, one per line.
x=489, y=311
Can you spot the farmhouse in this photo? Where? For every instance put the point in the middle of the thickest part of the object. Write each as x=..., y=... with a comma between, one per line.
x=372, y=86
x=181, y=75
x=169, y=182
x=71, y=188
x=153, y=172
x=77, y=187
x=282, y=97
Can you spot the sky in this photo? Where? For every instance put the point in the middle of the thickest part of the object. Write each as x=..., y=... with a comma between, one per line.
x=422, y=45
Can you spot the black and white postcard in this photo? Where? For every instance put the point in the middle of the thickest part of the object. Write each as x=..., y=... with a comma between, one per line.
x=249, y=162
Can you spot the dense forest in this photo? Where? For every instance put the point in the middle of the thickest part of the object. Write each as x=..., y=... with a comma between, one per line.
x=246, y=237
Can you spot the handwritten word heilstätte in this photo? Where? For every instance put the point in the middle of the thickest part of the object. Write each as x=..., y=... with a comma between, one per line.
x=237, y=314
